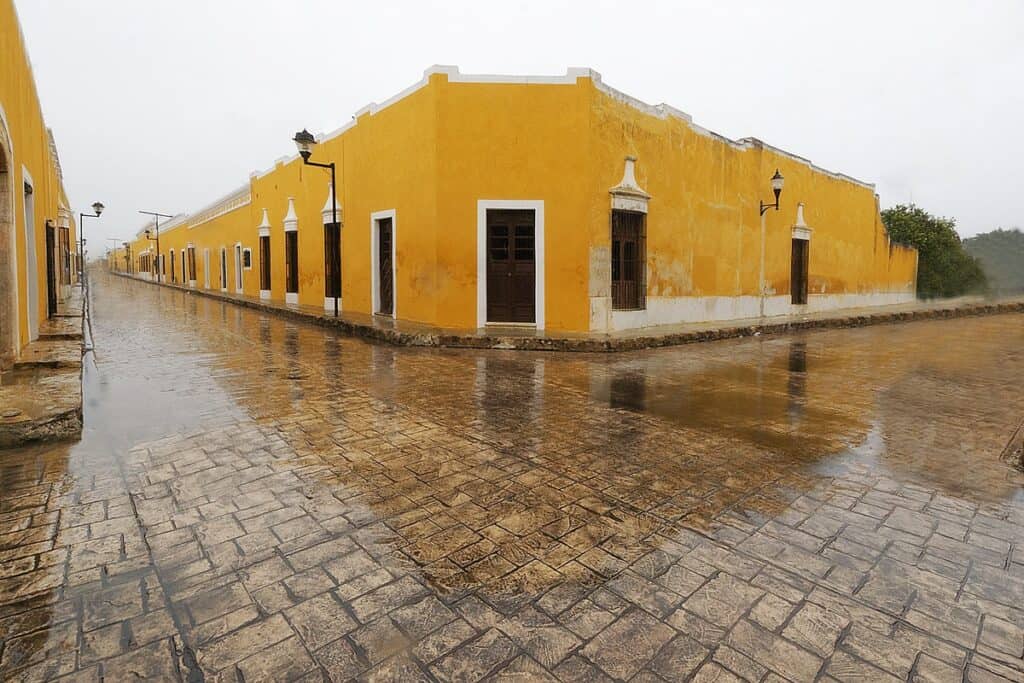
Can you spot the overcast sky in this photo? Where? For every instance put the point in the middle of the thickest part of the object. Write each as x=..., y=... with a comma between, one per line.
x=165, y=106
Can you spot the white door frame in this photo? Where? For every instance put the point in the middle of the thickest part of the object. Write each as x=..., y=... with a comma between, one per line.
x=375, y=218
x=184, y=269
x=223, y=268
x=238, y=268
x=190, y=250
x=10, y=346
x=31, y=265
x=206, y=268
x=535, y=205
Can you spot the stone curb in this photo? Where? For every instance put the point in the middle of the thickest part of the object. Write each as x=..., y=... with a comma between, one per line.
x=64, y=424
x=1013, y=454
x=441, y=339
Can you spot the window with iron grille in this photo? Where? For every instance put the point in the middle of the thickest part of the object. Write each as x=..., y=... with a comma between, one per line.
x=629, y=260
x=247, y=258
x=192, y=263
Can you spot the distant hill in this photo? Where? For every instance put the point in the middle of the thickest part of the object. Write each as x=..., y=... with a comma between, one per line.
x=1001, y=253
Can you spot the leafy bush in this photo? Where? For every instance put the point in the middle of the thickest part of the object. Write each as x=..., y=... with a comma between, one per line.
x=944, y=268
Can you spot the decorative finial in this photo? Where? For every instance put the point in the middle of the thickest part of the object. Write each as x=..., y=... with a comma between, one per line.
x=291, y=220
x=800, y=216
x=327, y=212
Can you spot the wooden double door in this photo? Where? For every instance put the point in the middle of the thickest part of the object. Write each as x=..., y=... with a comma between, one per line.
x=511, y=266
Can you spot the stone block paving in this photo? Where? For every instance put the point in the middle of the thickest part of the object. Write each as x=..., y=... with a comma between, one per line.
x=256, y=500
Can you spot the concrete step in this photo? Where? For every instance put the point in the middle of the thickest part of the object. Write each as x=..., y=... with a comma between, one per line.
x=50, y=353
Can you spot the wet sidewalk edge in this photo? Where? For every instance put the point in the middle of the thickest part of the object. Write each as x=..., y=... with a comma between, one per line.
x=41, y=395
x=595, y=343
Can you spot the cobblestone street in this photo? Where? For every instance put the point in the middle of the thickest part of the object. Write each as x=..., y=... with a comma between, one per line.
x=257, y=499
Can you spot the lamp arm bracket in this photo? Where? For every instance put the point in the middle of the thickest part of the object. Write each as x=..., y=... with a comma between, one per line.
x=307, y=162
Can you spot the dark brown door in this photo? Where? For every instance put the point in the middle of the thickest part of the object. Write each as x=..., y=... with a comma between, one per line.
x=265, y=262
x=798, y=272
x=511, y=266
x=332, y=260
x=291, y=262
x=64, y=252
x=51, y=271
x=385, y=272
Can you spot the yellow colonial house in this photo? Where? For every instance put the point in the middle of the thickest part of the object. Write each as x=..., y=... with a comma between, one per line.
x=38, y=242
x=556, y=203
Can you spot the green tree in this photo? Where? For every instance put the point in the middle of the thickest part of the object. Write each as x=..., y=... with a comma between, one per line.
x=1001, y=253
x=944, y=268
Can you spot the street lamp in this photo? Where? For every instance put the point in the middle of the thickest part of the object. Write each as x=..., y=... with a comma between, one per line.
x=777, y=182
x=127, y=257
x=305, y=142
x=156, y=239
x=97, y=208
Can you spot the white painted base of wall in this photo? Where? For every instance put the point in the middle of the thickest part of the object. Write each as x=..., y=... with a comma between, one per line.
x=264, y=294
x=239, y=290
x=291, y=298
x=695, y=309
x=818, y=303
x=329, y=304
x=192, y=284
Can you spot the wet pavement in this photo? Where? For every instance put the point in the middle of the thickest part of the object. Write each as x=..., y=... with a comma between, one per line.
x=259, y=499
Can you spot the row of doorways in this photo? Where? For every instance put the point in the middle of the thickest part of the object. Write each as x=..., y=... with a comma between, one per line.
x=58, y=265
x=511, y=265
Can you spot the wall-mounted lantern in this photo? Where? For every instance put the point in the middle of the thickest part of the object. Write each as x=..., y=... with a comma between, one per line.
x=305, y=142
x=777, y=182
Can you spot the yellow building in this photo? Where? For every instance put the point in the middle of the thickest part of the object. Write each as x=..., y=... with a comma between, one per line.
x=38, y=241
x=553, y=202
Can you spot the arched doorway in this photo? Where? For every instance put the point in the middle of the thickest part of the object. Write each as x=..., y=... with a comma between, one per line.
x=9, y=335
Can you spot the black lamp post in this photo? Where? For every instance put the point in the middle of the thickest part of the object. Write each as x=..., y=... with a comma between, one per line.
x=777, y=181
x=156, y=239
x=127, y=257
x=305, y=141
x=97, y=208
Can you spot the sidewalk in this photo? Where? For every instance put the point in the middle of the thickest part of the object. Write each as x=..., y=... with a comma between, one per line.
x=41, y=396
x=403, y=333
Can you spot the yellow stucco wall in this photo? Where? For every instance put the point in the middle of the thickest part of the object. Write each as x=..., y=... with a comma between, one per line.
x=26, y=146
x=704, y=224
x=434, y=152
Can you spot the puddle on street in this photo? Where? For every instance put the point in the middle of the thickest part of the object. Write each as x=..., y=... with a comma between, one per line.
x=501, y=472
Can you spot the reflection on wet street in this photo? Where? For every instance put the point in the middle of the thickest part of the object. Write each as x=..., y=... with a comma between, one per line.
x=258, y=499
